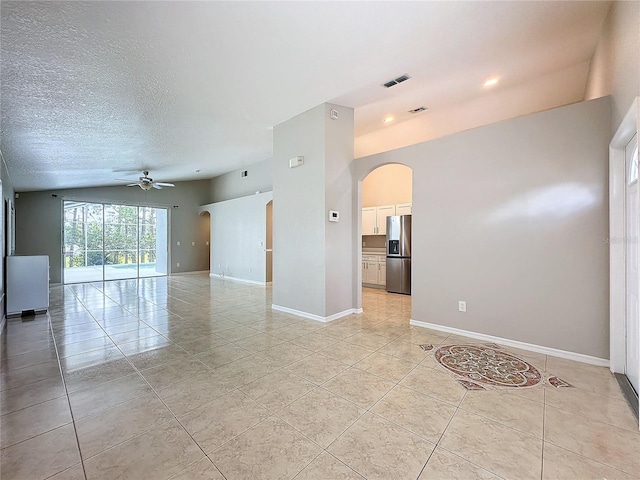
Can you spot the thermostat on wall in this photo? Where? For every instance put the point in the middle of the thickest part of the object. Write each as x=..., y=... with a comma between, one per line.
x=334, y=216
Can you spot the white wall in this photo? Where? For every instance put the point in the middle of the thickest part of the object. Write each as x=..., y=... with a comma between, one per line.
x=387, y=185
x=615, y=67
x=233, y=185
x=511, y=218
x=238, y=237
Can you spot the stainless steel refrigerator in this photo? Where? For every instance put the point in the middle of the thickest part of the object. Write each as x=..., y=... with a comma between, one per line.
x=399, y=254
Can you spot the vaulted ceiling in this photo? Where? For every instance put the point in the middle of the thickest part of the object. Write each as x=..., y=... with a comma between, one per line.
x=94, y=91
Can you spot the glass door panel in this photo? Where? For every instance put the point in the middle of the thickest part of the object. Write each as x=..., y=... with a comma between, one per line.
x=153, y=241
x=83, y=242
x=120, y=242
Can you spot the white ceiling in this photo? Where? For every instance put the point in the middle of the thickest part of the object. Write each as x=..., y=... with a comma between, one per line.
x=95, y=91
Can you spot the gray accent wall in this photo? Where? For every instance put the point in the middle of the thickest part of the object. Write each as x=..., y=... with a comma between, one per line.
x=513, y=218
x=313, y=258
x=233, y=185
x=39, y=221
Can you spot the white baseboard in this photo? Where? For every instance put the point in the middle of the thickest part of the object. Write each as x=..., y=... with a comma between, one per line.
x=311, y=316
x=235, y=279
x=578, y=357
x=358, y=310
x=195, y=272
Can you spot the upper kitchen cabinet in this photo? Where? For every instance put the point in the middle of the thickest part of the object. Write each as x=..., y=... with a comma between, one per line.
x=374, y=219
x=403, y=209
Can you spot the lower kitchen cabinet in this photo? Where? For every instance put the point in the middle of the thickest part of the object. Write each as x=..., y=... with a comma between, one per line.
x=374, y=269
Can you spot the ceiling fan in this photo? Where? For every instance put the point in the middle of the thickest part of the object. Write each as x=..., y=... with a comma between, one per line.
x=146, y=183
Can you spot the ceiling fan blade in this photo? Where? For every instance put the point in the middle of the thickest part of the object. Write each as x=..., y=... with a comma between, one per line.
x=155, y=185
x=133, y=184
x=164, y=184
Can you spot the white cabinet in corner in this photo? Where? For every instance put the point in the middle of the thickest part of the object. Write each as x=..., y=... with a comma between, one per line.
x=374, y=219
x=374, y=269
x=403, y=209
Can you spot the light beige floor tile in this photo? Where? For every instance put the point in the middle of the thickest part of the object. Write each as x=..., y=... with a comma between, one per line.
x=328, y=467
x=257, y=343
x=110, y=427
x=386, y=366
x=598, y=441
x=28, y=359
x=247, y=369
x=613, y=410
x=41, y=456
x=535, y=394
x=493, y=446
x=80, y=336
x=90, y=359
x=238, y=333
x=106, y=395
x=511, y=410
x=561, y=464
x=195, y=391
x=317, y=368
x=346, y=353
x=315, y=341
x=285, y=354
x=201, y=470
x=222, y=355
x=378, y=449
x=71, y=349
x=359, y=387
x=220, y=420
x=74, y=473
x=321, y=416
x=27, y=375
x=29, y=422
x=202, y=344
x=144, y=345
x=158, y=453
x=368, y=340
x=164, y=375
x=418, y=413
x=591, y=378
x=445, y=465
x=435, y=383
x=133, y=335
x=271, y=449
x=405, y=350
x=157, y=357
x=31, y=394
x=277, y=389
x=92, y=376
x=122, y=327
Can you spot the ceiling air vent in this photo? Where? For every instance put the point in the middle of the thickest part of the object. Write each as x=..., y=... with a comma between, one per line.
x=396, y=81
x=417, y=110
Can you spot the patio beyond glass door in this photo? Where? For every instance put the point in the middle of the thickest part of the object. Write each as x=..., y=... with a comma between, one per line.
x=113, y=242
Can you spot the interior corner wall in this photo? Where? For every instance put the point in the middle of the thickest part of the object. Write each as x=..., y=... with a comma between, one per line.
x=39, y=221
x=513, y=219
x=298, y=214
x=8, y=194
x=239, y=236
x=615, y=67
x=233, y=185
x=338, y=196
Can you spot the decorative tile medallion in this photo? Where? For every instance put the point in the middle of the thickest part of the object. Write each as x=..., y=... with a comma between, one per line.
x=427, y=347
x=558, y=382
x=480, y=363
x=471, y=385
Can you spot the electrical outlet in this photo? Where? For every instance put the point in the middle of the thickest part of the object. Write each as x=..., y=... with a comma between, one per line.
x=193, y=244
x=178, y=264
x=178, y=243
x=207, y=243
x=462, y=306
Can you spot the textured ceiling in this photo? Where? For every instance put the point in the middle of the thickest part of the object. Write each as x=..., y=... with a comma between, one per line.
x=95, y=91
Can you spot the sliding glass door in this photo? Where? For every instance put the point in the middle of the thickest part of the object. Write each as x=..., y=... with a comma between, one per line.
x=111, y=242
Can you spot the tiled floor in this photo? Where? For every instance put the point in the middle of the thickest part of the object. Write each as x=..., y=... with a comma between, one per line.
x=192, y=378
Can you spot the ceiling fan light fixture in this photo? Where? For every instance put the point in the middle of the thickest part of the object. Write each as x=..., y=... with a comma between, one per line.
x=145, y=186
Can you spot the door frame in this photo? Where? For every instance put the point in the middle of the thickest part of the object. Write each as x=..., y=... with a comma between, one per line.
x=617, y=263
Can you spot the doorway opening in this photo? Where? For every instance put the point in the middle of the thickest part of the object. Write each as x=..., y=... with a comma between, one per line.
x=386, y=274
x=105, y=241
x=269, y=244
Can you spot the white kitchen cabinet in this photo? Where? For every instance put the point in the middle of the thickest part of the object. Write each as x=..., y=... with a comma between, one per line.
x=369, y=221
x=403, y=209
x=374, y=269
x=382, y=212
x=374, y=219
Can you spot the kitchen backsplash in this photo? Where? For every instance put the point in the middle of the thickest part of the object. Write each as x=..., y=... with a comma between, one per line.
x=373, y=241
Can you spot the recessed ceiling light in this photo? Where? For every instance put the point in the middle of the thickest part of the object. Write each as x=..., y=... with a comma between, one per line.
x=491, y=82
x=388, y=119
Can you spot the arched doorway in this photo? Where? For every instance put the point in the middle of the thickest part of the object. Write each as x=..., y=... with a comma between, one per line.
x=386, y=191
